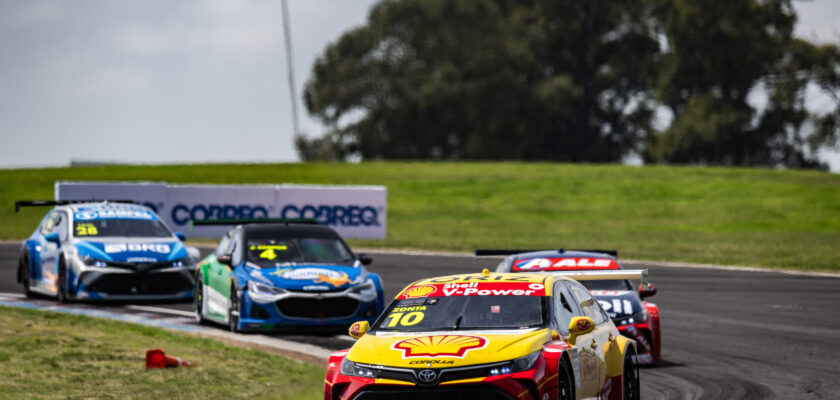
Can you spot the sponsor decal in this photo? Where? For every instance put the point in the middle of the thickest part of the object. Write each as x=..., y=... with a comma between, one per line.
x=439, y=346
x=419, y=291
x=315, y=288
x=477, y=289
x=355, y=328
x=182, y=213
x=583, y=324
x=162, y=248
x=335, y=215
x=559, y=264
x=112, y=214
x=318, y=275
x=431, y=362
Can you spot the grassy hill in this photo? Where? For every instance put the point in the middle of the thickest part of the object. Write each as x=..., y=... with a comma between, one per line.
x=757, y=217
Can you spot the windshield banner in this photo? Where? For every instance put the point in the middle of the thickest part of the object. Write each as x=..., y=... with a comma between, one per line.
x=353, y=211
x=474, y=289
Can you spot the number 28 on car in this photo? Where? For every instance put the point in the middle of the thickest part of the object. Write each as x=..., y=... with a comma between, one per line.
x=487, y=336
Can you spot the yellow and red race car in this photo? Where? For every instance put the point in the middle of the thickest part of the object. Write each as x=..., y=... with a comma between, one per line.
x=487, y=336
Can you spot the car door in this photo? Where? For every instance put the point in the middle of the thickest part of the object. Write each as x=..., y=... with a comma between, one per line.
x=600, y=336
x=217, y=288
x=49, y=254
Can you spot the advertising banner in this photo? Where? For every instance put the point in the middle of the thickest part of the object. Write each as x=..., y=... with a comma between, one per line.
x=353, y=211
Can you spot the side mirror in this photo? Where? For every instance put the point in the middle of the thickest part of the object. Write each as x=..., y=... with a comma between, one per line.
x=225, y=259
x=648, y=291
x=365, y=259
x=555, y=335
x=182, y=237
x=358, y=329
x=580, y=326
x=52, y=237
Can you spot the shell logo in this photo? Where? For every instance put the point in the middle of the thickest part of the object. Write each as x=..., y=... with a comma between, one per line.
x=419, y=291
x=583, y=324
x=439, y=346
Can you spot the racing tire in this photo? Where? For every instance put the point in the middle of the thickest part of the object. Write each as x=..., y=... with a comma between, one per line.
x=233, y=311
x=565, y=382
x=23, y=274
x=61, y=284
x=198, y=299
x=630, y=379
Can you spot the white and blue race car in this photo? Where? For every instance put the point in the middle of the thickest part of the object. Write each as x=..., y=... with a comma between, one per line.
x=105, y=251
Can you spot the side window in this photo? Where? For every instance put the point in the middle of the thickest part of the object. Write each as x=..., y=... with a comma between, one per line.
x=589, y=305
x=504, y=265
x=60, y=226
x=236, y=254
x=49, y=223
x=223, y=244
x=564, y=308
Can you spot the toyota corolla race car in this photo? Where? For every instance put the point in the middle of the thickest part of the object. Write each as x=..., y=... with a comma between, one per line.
x=104, y=251
x=487, y=336
x=633, y=316
x=281, y=276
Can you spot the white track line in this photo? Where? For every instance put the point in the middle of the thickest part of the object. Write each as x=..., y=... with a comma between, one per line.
x=162, y=310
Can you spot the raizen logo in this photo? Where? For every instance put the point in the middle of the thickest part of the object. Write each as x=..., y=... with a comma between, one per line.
x=336, y=215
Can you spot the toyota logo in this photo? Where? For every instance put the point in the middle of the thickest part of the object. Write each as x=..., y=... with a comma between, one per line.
x=427, y=376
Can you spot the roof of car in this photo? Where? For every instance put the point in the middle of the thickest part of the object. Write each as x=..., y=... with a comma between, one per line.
x=489, y=277
x=105, y=205
x=283, y=230
x=560, y=254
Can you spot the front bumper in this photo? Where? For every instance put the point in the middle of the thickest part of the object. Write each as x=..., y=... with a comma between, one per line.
x=331, y=311
x=533, y=384
x=118, y=284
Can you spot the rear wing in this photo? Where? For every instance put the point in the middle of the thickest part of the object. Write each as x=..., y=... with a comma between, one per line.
x=49, y=203
x=636, y=274
x=243, y=221
x=507, y=252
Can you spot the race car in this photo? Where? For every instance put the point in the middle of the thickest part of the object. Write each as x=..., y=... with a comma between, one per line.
x=293, y=274
x=104, y=251
x=487, y=336
x=634, y=317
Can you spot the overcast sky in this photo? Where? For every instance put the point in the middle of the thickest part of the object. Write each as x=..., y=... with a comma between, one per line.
x=181, y=80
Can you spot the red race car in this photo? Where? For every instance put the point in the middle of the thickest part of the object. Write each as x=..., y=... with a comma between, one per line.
x=634, y=317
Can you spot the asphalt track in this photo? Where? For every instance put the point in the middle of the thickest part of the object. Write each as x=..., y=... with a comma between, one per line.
x=727, y=334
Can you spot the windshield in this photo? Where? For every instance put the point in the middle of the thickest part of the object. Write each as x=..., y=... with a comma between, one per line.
x=270, y=252
x=120, y=228
x=616, y=284
x=464, y=312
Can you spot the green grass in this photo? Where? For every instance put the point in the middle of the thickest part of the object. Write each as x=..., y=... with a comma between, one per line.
x=757, y=217
x=46, y=355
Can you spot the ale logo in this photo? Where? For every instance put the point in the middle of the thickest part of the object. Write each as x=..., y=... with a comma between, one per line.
x=439, y=346
x=419, y=291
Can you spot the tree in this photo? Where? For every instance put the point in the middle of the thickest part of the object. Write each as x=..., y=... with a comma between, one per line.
x=722, y=52
x=488, y=79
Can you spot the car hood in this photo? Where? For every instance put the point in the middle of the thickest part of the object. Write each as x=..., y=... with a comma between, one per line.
x=311, y=277
x=132, y=250
x=618, y=303
x=446, y=349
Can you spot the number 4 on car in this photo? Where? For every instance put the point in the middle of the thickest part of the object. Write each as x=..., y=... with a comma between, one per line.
x=267, y=275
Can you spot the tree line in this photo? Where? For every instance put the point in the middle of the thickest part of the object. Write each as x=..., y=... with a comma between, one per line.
x=717, y=82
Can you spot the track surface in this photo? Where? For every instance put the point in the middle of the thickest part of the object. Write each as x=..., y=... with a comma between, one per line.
x=726, y=334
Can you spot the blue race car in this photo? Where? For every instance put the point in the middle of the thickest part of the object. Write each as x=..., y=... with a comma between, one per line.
x=104, y=251
x=285, y=276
